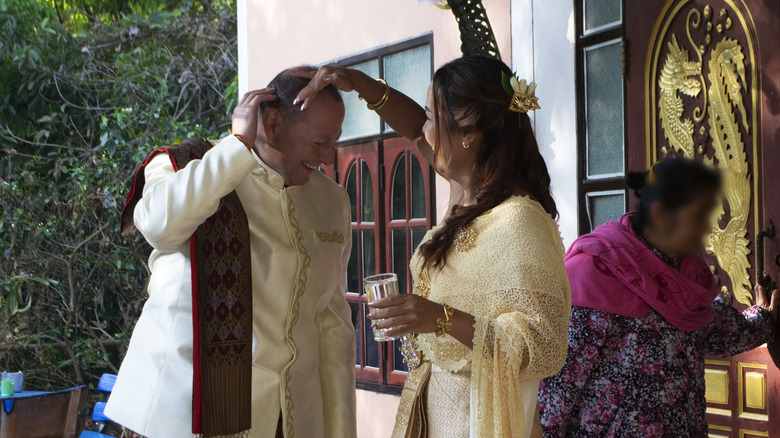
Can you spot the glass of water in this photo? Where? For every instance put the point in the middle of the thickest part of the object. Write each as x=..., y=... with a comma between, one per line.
x=377, y=287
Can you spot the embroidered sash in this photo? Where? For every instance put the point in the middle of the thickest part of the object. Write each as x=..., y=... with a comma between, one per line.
x=220, y=259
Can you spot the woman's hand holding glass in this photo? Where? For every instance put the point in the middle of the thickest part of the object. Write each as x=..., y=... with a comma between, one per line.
x=405, y=314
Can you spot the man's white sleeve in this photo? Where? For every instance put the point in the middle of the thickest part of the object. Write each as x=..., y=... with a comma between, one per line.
x=174, y=204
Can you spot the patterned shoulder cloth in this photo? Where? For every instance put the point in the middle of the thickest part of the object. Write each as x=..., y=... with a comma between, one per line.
x=220, y=260
x=411, y=420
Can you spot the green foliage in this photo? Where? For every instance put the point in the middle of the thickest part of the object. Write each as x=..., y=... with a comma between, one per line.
x=87, y=90
x=16, y=293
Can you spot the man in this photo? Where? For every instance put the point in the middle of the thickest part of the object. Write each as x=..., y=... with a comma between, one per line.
x=218, y=346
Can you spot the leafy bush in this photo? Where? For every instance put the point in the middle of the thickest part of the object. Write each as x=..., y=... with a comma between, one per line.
x=87, y=90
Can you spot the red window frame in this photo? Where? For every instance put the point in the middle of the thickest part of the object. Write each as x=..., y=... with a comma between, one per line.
x=381, y=157
x=398, y=151
x=381, y=152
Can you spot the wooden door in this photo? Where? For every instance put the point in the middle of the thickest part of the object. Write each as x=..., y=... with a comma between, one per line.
x=702, y=82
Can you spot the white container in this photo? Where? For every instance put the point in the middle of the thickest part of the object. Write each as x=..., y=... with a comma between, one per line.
x=17, y=377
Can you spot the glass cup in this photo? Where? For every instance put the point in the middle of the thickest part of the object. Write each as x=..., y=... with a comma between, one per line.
x=377, y=287
x=6, y=388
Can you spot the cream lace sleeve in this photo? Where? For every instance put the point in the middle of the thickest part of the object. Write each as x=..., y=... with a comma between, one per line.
x=526, y=343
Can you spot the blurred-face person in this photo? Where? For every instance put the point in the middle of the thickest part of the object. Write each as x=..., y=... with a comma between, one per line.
x=645, y=314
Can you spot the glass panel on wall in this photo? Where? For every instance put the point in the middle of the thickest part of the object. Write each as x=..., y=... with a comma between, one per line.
x=369, y=253
x=604, y=207
x=604, y=109
x=355, y=308
x=352, y=190
x=399, y=258
x=353, y=277
x=410, y=72
x=372, y=347
x=399, y=189
x=418, y=189
x=366, y=194
x=359, y=121
x=599, y=13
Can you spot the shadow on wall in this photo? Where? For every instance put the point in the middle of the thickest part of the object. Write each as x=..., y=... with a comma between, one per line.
x=556, y=122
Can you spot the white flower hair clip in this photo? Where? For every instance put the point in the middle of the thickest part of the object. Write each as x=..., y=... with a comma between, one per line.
x=521, y=92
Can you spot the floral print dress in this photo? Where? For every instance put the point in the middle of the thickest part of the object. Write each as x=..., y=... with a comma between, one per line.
x=641, y=377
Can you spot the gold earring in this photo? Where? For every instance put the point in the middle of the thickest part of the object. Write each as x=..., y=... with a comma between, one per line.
x=465, y=146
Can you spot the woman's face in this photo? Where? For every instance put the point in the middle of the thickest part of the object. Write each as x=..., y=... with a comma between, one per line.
x=452, y=159
x=685, y=229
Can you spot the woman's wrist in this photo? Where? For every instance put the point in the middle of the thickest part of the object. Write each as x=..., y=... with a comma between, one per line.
x=444, y=325
x=462, y=328
x=367, y=87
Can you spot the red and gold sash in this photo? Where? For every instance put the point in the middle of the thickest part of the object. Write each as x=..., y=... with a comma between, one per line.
x=220, y=259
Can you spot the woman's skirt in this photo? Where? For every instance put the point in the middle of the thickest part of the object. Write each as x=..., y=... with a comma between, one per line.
x=449, y=396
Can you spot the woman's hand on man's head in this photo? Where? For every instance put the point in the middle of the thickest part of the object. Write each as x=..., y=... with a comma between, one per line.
x=345, y=79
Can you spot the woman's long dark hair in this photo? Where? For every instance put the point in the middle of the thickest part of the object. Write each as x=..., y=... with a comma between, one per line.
x=468, y=97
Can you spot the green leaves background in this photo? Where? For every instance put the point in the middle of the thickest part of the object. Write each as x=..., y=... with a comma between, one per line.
x=87, y=90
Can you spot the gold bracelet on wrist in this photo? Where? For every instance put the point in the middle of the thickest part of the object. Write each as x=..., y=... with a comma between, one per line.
x=243, y=139
x=444, y=325
x=382, y=101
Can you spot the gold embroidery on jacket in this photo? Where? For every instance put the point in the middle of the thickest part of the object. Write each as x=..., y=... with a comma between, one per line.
x=326, y=237
x=303, y=275
x=262, y=172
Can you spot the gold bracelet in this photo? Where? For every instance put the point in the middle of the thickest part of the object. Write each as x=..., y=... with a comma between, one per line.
x=444, y=325
x=243, y=139
x=382, y=101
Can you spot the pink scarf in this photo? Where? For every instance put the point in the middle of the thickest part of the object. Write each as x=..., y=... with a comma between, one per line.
x=611, y=270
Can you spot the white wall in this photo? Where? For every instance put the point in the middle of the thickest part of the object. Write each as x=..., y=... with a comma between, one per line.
x=543, y=51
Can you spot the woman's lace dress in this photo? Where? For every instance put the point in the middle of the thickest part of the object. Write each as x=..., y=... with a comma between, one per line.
x=506, y=269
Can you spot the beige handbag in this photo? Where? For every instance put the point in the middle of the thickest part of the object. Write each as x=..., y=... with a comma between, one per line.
x=412, y=421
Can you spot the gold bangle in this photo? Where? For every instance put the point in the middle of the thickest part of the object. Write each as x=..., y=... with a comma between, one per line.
x=382, y=101
x=243, y=139
x=444, y=325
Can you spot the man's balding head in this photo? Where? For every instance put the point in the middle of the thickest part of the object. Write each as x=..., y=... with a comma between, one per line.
x=296, y=143
x=287, y=88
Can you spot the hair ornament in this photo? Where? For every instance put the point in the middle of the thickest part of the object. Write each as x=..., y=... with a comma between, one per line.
x=651, y=176
x=522, y=93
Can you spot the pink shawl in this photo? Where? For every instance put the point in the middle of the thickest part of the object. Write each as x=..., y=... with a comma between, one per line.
x=611, y=270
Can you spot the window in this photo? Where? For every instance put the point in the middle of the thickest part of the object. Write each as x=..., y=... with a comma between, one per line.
x=391, y=189
x=601, y=111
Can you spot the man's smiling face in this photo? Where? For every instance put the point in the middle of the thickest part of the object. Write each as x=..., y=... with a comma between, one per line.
x=308, y=141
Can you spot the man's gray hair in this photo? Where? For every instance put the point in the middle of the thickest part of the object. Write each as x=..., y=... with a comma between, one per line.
x=287, y=88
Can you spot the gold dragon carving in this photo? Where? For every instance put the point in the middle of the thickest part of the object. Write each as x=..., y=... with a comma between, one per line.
x=724, y=85
x=677, y=76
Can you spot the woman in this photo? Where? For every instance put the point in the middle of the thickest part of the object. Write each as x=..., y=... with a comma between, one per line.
x=644, y=317
x=491, y=297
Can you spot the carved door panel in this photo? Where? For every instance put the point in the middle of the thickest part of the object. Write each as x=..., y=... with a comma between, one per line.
x=702, y=82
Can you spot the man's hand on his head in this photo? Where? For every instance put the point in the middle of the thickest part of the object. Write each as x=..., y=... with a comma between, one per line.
x=245, y=116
